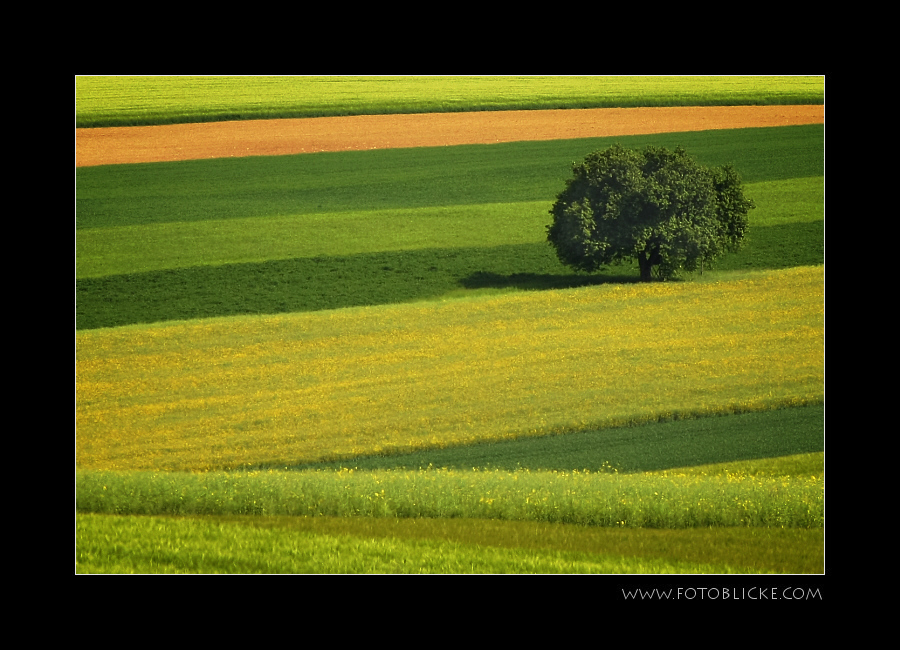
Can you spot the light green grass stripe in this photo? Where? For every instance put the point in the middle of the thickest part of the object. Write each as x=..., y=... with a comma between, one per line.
x=782, y=550
x=152, y=247
x=669, y=500
x=798, y=200
x=120, y=101
x=158, y=246
x=158, y=545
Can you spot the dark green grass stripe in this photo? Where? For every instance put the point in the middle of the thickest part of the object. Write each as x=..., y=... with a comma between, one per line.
x=405, y=178
x=779, y=247
x=310, y=284
x=650, y=447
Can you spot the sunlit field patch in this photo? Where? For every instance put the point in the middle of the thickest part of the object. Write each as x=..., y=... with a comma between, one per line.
x=123, y=100
x=226, y=393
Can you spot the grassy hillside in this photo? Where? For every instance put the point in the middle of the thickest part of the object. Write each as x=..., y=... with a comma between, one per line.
x=260, y=544
x=338, y=384
x=129, y=249
x=300, y=233
x=413, y=396
x=133, y=101
x=525, y=533
x=395, y=179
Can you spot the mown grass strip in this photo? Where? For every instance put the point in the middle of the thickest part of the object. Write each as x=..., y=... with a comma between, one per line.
x=132, y=101
x=158, y=545
x=346, y=383
x=397, y=179
x=781, y=550
x=129, y=249
x=797, y=200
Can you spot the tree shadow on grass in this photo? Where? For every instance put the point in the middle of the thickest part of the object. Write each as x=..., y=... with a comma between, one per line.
x=312, y=284
x=334, y=282
x=542, y=281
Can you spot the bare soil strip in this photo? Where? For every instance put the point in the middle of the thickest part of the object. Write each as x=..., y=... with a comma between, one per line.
x=117, y=145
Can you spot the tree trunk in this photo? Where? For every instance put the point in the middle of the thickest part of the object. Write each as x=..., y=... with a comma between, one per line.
x=645, y=268
x=647, y=262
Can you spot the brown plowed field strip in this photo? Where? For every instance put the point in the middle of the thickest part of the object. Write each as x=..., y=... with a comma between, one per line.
x=117, y=145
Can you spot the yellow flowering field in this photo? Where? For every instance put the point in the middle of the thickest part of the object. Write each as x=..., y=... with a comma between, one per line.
x=232, y=392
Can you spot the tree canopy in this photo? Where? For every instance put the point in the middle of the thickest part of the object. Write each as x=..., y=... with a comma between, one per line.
x=658, y=207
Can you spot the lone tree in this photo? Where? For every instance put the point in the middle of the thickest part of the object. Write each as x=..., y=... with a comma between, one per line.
x=655, y=206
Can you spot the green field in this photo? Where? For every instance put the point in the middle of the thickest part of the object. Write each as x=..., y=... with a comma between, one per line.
x=134, y=101
x=262, y=544
x=222, y=393
x=284, y=234
x=370, y=362
x=752, y=441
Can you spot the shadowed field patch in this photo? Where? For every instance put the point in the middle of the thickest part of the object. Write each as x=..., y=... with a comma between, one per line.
x=649, y=447
x=317, y=283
